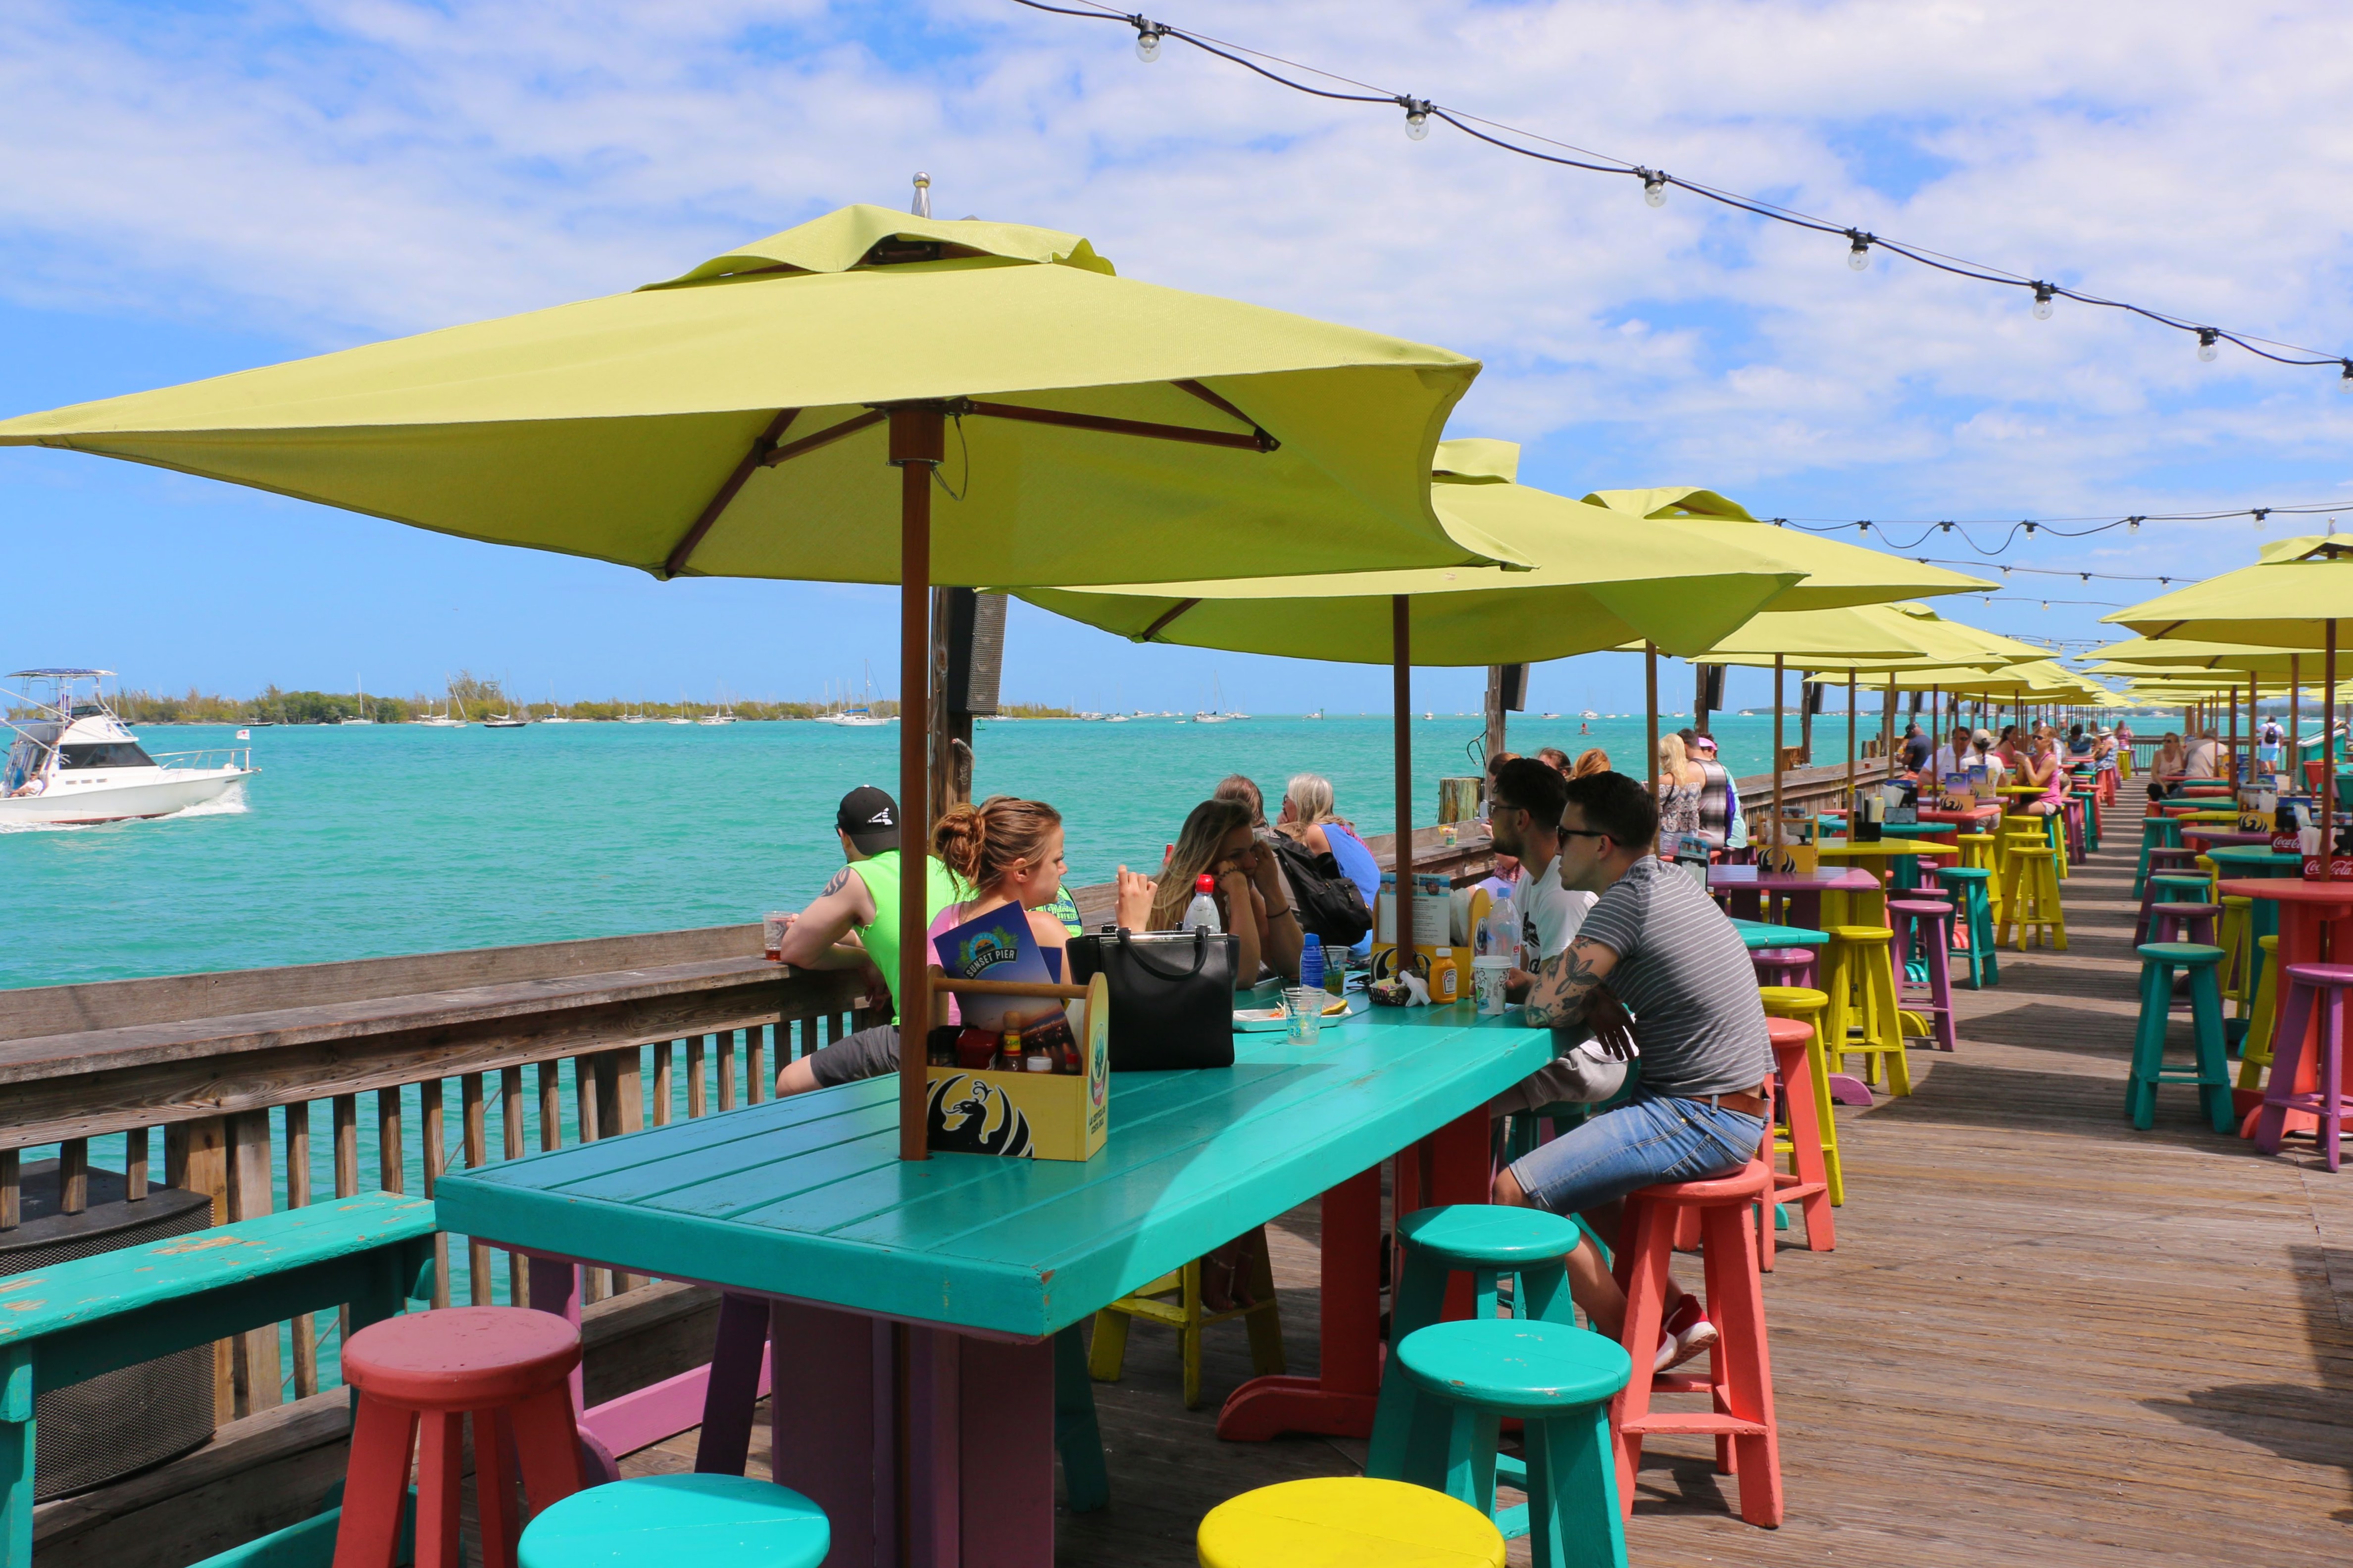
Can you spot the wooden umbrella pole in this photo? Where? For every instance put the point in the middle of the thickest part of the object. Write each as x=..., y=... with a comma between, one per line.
x=1887, y=729
x=1651, y=730
x=2328, y=750
x=918, y=441
x=1850, y=750
x=2295, y=719
x=1401, y=699
x=1776, y=763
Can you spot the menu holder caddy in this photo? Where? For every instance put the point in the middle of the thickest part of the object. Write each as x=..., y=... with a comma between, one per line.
x=1026, y=1115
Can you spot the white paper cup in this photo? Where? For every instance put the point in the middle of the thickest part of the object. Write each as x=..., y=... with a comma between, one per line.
x=1487, y=975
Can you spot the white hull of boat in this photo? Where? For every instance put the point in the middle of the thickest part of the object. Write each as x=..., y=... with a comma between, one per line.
x=121, y=803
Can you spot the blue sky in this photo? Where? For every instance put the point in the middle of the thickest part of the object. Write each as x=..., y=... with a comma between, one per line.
x=200, y=188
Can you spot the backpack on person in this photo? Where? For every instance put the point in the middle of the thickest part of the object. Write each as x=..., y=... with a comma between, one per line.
x=1331, y=907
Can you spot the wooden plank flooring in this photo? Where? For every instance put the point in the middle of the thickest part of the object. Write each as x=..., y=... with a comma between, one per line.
x=2044, y=1338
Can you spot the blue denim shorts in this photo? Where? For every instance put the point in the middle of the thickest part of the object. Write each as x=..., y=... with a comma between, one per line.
x=1649, y=1139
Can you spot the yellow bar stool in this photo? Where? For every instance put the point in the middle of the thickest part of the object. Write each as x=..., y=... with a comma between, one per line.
x=2237, y=924
x=2030, y=897
x=1808, y=1008
x=1350, y=1522
x=1862, y=1016
x=2255, y=1051
x=1174, y=1300
x=1980, y=852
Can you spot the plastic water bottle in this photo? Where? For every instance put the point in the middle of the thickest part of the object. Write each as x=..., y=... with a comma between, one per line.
x=1311, y=964
x=1501, y=936
x=1201, y=914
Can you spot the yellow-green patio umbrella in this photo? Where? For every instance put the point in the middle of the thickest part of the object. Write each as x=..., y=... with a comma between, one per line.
x=1066, y=424
x=1592, y=583
x=1836, y=573
x=2292, y=597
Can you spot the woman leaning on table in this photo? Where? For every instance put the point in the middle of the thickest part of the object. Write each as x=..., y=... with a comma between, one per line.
x=1253, y=901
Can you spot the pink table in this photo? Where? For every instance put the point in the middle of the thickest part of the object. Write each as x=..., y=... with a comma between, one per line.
x=1747, y=886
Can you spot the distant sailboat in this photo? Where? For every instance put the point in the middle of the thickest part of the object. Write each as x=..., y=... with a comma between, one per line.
x=1216, y=713
x=362, y=718
x=555, y=708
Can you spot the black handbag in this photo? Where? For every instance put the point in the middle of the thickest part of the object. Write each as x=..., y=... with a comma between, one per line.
x=1172, y=996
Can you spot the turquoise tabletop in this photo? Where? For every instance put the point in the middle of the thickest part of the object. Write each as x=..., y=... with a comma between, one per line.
x=1758, y=934
x=806, y=1197
x=2256, y=859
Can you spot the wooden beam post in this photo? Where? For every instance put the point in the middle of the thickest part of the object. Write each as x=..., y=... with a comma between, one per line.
x=918, y=441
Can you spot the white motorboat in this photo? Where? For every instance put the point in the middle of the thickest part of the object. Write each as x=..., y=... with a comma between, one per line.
x=76, y=762
x=853, y=718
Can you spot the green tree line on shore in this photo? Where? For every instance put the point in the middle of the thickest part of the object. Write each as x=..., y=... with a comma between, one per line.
x=468, y=697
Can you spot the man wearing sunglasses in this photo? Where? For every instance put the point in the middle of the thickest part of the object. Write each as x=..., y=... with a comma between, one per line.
x=1675, y=962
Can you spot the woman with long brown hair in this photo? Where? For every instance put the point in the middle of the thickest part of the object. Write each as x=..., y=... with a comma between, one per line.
x=1253, y=901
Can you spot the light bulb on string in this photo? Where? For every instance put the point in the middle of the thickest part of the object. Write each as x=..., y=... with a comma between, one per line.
x=2344, y=382
x=1655, y=188
x=1147, y=41
x=2208, y=352
x=1858, y=250
x=1417, y=116
x=2043, y=293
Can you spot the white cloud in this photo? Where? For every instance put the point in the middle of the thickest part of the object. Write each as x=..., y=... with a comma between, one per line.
x=345, y=169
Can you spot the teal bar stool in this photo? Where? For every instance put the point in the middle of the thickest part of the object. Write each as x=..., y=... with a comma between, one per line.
x=2159, y=960
x=679, y=1521
x=1558, y=1381
x=1486, y=1241
x=2156, y=833
x=2169, y=887
x=1973, y=915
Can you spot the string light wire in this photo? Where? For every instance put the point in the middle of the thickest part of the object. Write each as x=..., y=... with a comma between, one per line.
x=1514, y=139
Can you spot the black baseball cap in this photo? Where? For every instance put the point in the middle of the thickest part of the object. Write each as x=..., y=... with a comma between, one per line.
x=870, y=816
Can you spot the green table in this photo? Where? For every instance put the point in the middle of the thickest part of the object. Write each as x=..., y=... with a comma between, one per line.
x=1764, y=934
x=930, y=1291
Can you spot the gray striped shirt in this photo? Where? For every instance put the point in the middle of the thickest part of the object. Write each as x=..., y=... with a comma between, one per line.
x=1684, y=973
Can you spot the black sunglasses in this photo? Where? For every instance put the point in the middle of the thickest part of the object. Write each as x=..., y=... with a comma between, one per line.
x=1583, y=833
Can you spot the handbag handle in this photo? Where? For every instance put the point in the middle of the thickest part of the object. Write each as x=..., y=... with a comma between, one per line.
x=1200, y=955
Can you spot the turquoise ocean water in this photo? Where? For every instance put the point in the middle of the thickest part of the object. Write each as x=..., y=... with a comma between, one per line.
x=362, y=842
x=358, y=842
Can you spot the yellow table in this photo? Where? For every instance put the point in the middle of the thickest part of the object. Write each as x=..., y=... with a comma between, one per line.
x=1869, y=907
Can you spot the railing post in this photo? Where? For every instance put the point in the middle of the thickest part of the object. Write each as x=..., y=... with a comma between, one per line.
x=196, y=1160
x=304, y=1327
x=251, y=1194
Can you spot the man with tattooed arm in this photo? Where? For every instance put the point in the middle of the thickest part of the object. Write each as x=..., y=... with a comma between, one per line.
x=1673, y=959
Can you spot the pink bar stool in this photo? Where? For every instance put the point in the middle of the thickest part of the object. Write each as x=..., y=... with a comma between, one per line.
x=1784, y=967
x=2308, y=985
x=2184, y=922
x=1930, y=921
x=510, y=1368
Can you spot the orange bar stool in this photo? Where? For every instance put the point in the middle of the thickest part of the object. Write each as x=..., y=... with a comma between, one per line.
x=1805, y=1183
x=1808, y=1007
x=416, y=1378
x=1739, y=1381
x=1863, y=1019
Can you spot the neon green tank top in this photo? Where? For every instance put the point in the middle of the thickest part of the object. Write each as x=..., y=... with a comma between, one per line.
x=880, y=939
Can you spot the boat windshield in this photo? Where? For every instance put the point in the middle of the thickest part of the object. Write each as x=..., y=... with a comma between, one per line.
x=103, y=754
x=26, y=760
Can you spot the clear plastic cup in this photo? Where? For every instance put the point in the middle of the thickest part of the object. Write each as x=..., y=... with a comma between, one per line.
x=772, y=934
x=1303, y=1014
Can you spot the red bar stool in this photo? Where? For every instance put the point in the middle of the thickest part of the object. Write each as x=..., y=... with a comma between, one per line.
x=510, y=1369
x=1807, y=1181
x=1740, y=1382
x=2308, y=985
x=1784, y=967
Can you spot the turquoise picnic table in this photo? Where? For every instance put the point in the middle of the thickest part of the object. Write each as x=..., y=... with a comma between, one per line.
x=917, y=1308
x=1764, y=934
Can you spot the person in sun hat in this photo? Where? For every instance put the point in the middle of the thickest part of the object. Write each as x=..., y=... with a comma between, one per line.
x=854, y=924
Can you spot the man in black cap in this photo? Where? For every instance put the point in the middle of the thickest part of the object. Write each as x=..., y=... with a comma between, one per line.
x=854, y=924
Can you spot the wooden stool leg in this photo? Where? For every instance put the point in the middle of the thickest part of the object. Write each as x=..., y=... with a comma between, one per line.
x=1108, y=1351
x=1890, y=1033
x=1643, y=1275
x=2288, y=1040
x=2206, y=1041
x=375, y=1491
x=440, y=1454
x=2149, y=1044
x=2332, y=1071
x=1748, y=1366
x=547, y=1445
x=1818, y=1063
x=1188, y=1334
x=494, y=1488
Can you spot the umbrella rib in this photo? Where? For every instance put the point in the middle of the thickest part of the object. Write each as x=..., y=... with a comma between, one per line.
x=677, y=559
x=825, y=437
x=1259, y=441
x=1219, y=404
x=1176, y=610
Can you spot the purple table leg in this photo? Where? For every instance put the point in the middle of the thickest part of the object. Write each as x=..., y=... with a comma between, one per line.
x=1005, y=1394
x=733, y=1388
x=556, y=1288
x=831, y=1373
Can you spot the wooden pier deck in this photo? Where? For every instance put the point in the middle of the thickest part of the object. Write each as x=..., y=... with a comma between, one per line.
x=2044, y=1338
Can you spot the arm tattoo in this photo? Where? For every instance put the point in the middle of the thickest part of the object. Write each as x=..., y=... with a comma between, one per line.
x=1563, y=983
x=840, y=880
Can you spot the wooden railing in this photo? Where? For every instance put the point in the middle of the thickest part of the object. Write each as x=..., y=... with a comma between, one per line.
x=231, y=1067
